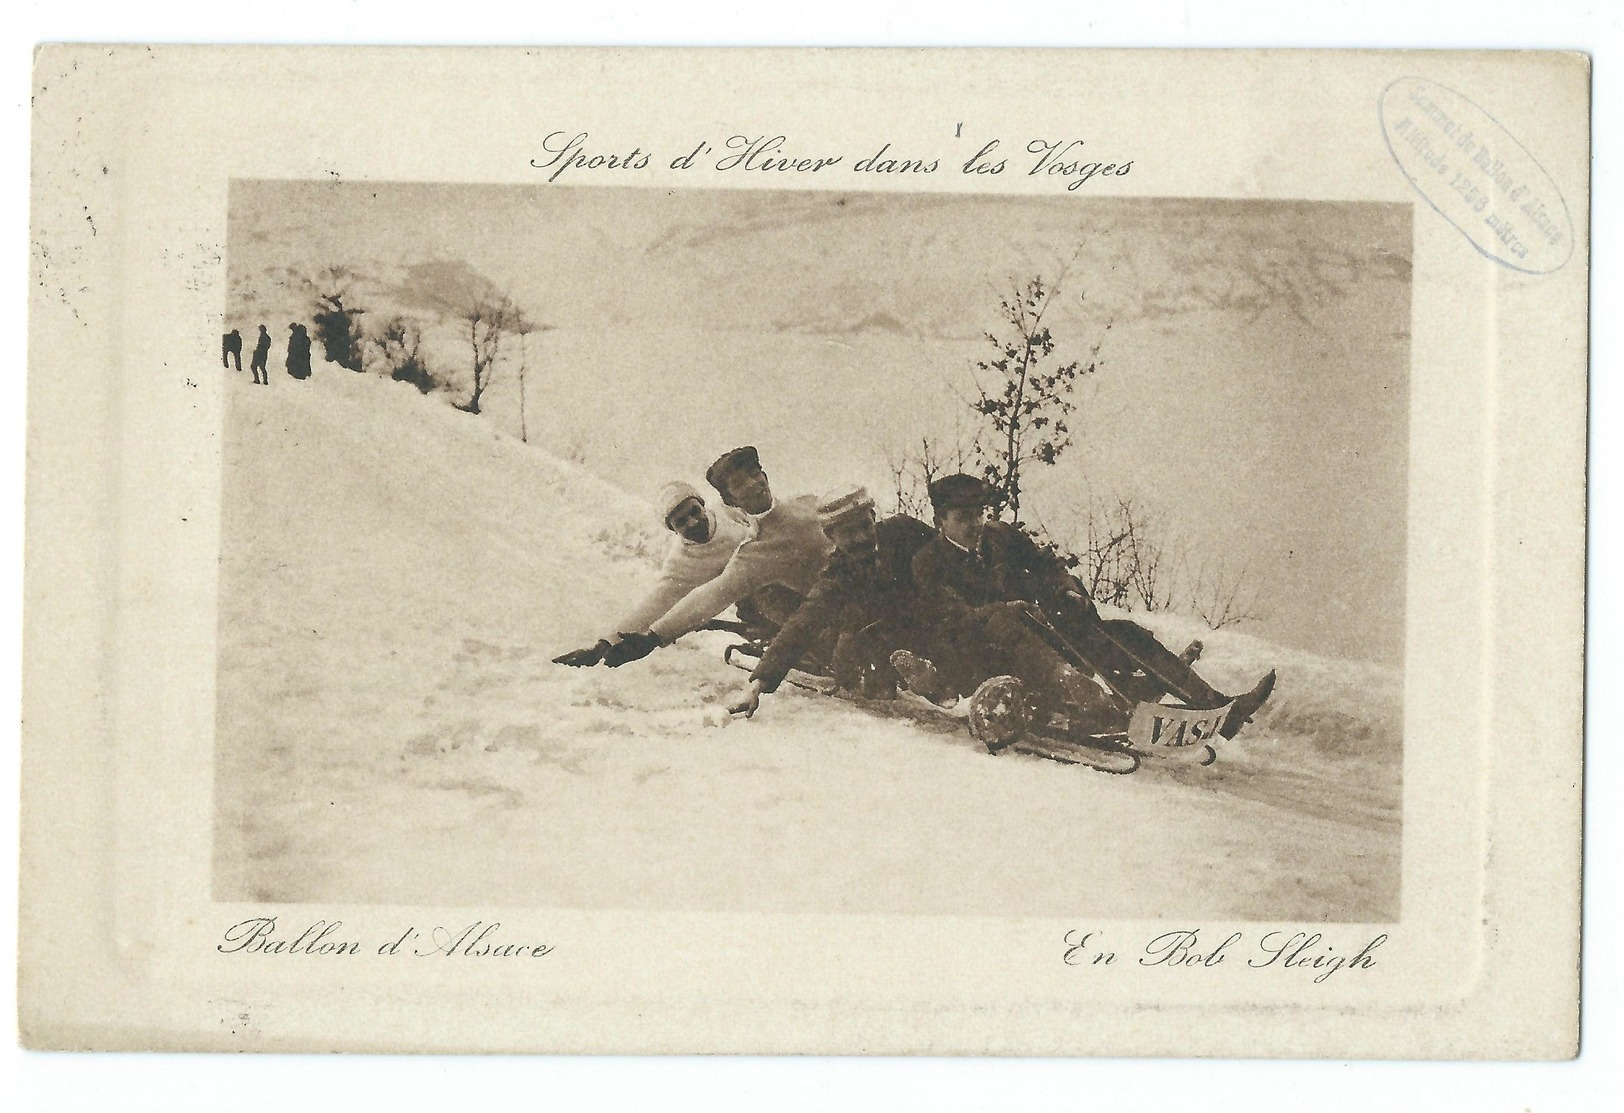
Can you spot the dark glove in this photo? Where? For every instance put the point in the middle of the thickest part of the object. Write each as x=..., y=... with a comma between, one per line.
x=631, y=647
x=583, y=658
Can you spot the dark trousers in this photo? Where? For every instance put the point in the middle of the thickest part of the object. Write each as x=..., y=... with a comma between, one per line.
x=860, y=659
x=994, y=640
x=1136, y=662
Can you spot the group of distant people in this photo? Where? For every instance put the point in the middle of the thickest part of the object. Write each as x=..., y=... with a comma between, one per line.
x=298, y=357
x=883, y=604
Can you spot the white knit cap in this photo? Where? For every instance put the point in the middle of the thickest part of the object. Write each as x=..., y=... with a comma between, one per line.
x=673, y=495
x=832, y=508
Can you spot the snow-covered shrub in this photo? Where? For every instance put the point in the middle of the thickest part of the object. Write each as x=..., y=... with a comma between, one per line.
x=398, y=348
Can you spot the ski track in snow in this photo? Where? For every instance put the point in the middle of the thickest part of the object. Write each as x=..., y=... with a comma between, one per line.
x=395, y=579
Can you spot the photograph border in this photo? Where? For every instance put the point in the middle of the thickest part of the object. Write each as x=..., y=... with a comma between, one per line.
x=132, y=496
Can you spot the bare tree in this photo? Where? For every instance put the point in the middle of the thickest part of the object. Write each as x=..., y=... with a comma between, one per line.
x=1024, y=397
x=486, y=317
x=525, y=329
x=491, y=321
x=524, y=360
x=1221, y=596
x=915, y=469
x=1124, y=562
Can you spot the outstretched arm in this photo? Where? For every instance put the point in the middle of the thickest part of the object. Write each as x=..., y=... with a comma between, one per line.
x=820, y=609
x=789, y=645
x=667, y=591
x=742, y=576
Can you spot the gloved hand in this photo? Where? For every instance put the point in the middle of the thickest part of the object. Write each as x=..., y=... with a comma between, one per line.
x=631, y=647
x=583, y=658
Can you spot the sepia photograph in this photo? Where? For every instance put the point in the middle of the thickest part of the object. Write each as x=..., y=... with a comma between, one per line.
x=516, y=474
x=851, y=558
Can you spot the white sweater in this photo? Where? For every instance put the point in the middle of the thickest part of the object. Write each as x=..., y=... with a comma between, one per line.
x=786, y=545
x=687, y=565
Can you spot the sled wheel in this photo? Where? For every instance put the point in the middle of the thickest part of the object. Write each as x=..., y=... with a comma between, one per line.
x=999, y=712
x=1208, y=756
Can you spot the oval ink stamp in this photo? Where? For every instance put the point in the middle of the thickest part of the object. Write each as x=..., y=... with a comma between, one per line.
x=1476, y=175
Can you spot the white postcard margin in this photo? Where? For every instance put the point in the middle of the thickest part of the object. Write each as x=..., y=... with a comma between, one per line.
x=133, y=152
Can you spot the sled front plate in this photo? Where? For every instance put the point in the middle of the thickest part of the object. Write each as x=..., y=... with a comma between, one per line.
x=1158, y=728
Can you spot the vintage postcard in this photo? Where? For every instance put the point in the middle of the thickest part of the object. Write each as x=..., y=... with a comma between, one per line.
x=806, y=552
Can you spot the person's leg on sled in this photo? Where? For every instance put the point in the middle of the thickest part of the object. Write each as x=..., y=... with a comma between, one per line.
x=1057, y=685
x=1129, y=654
x=860, y=663
x=997, y=640
x=864, y=659
x=1142, y=667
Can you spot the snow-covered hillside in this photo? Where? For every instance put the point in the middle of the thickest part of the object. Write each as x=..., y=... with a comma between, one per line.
x=396, y=576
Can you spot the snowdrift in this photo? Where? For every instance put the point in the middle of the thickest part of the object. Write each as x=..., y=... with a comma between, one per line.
x=396, y=575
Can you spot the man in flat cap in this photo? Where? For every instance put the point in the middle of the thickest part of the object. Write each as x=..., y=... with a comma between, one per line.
x=703, y=542
x=974, y=568
x=862, y=605
x=973, y=561
x=784, y=547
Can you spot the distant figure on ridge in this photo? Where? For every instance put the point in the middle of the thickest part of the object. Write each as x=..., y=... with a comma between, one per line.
x=298, y=351
x=262, y=352
x=231, y=349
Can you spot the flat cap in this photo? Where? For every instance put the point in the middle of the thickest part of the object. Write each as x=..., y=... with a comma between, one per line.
x=959, y=492
x=734, y=460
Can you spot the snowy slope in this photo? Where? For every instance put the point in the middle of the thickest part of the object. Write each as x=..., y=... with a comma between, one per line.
x=395, y=577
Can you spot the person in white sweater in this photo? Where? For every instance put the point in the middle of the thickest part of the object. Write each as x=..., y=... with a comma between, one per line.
x=785, y=546
x=704, y=541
